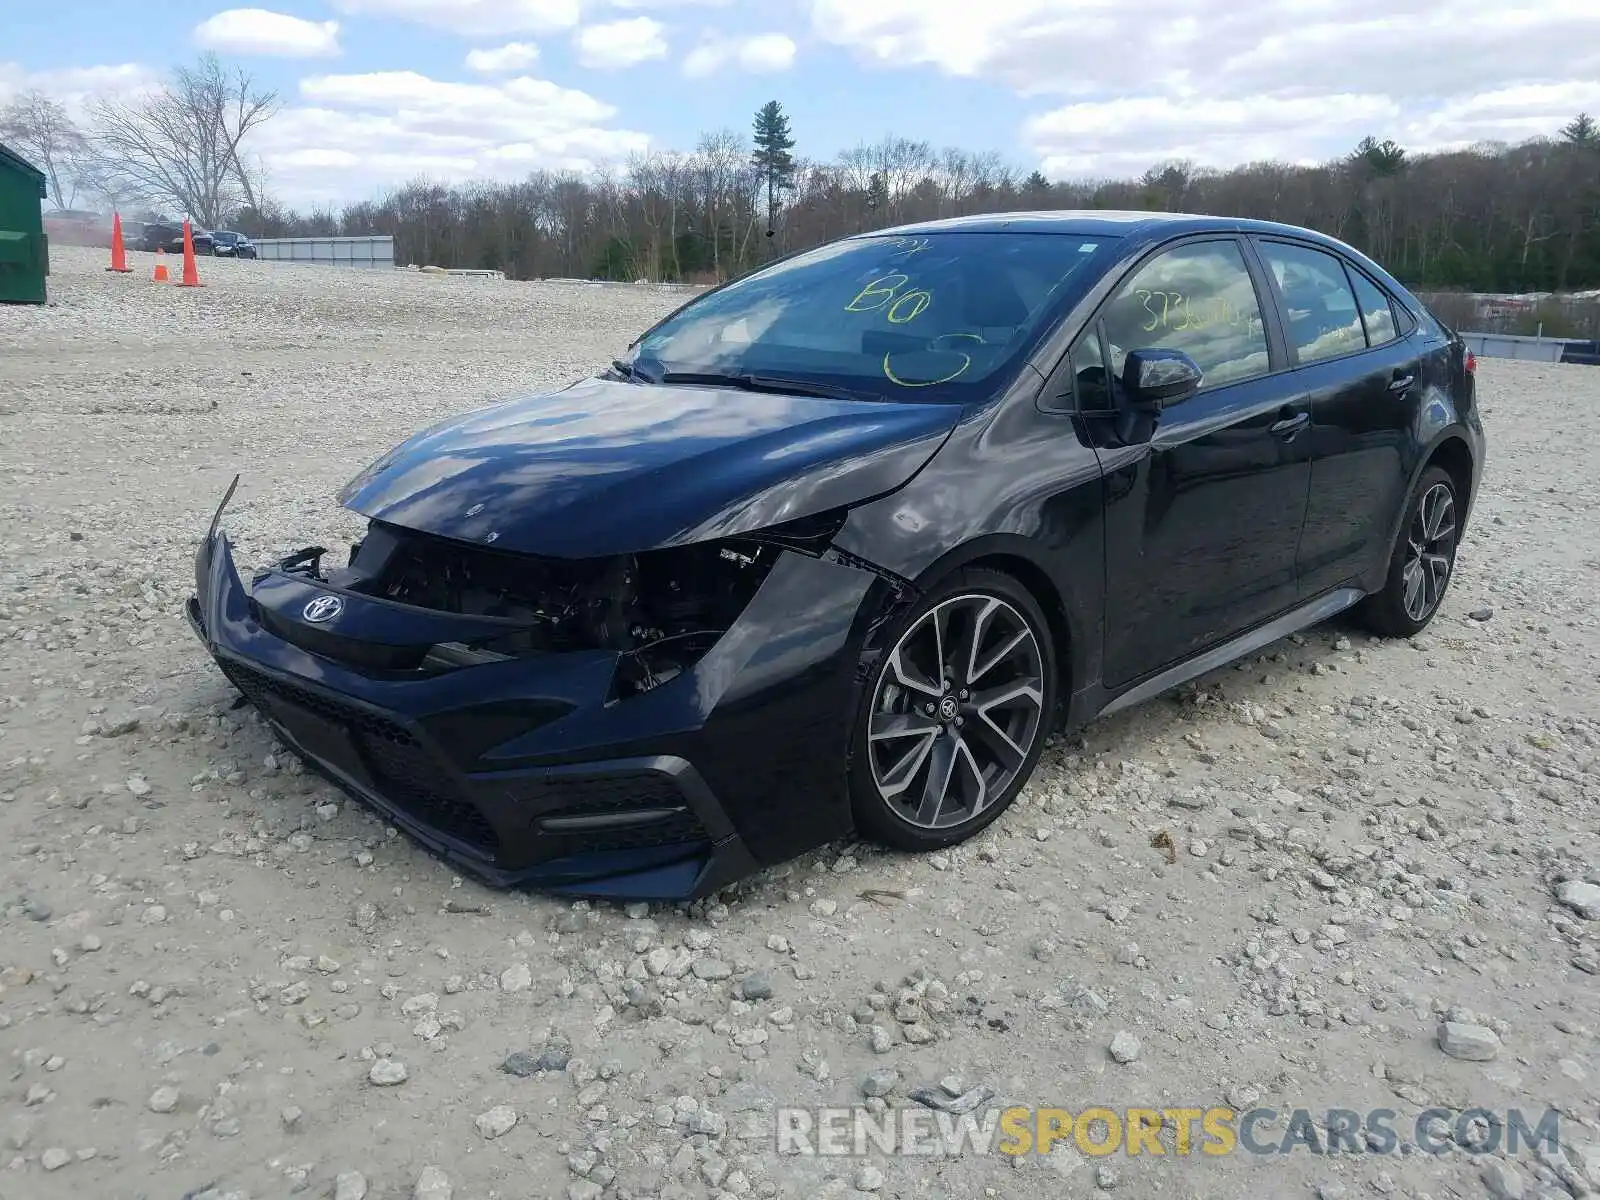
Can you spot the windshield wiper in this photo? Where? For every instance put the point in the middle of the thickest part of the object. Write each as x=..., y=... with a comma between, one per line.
x=768, y=383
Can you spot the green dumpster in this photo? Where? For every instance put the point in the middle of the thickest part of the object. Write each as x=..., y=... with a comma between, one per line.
x=24, y=254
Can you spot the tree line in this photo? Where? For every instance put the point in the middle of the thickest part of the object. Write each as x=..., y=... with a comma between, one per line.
x=1493, y=217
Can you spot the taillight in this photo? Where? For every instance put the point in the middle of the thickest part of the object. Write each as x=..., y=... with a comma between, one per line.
x=1472, y=362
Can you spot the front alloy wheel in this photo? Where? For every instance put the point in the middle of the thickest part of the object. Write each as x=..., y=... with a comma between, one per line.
x=957, y=714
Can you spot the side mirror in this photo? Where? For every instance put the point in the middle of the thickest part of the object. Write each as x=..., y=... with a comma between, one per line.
x=1159, y=379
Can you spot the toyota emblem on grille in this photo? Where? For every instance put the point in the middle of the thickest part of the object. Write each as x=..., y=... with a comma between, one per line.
x=322, y=609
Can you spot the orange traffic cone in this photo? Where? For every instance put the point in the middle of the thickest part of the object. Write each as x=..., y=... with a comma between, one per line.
x=119, y=253
x=160, y=275
x=191, y=270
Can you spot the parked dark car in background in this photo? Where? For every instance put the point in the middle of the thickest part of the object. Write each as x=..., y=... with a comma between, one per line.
x=835, y=545
x=226, y=243
x=163, y=235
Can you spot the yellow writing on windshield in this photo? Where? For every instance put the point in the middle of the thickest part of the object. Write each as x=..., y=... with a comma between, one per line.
x=909, y=306
x=934, y=348
x=909, y=246
x=884, y=293
x=880, y=291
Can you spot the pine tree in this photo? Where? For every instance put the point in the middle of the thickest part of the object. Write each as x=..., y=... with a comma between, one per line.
x=771, y=158
x=1582, y=130
x=1382, y=159
x=877, y=194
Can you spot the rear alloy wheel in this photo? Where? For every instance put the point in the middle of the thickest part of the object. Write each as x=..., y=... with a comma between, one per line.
x=957, y=714
x=1422, y=562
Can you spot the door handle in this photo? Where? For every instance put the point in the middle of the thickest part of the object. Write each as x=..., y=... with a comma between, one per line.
x=1287, y=427
x=1402, y=383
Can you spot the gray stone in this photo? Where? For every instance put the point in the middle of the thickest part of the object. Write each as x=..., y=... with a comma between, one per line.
x=869, y=1178
x=1503, y=1182
x=350, y=1185
x=1124, y=1047
x=387, y=1072
x=1582, y=898
x=517, y=978
x=163, y=1100
x=432, y=1184
x=1470, y=1043
x=757, y=986
x=880, y=1082
x=497, y=1121
x=54, y=1158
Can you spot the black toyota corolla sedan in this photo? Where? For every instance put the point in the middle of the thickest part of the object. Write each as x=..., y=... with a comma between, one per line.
x=833, y=547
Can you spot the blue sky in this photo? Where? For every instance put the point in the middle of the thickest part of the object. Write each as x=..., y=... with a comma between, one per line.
x=378, y=91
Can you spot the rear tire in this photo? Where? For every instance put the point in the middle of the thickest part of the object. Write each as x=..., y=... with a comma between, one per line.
x=956, y=715
x=1422, y=561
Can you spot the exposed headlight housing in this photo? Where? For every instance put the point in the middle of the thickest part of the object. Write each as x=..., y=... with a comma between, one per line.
x=659, y=610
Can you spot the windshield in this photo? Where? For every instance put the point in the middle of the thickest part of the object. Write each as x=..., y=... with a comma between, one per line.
x=941, y=316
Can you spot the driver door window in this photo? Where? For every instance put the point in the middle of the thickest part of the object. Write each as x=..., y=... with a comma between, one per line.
x=1198, y=298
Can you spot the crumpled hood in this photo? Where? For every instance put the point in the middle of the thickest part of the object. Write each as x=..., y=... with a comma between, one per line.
x=609, y=467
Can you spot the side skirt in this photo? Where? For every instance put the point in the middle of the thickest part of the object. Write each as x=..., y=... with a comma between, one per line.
x=1293, y=621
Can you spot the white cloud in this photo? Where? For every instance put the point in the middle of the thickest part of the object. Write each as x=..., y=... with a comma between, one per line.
x=618, y=44
x=474, y=18
x=75, y=87
x=513, y=56
x=761, y=53
x=1300, y=80
x=258, y=31
x=354, y=134
x=1124, y=137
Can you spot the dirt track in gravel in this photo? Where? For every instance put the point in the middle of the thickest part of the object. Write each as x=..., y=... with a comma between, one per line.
x=1366, y=836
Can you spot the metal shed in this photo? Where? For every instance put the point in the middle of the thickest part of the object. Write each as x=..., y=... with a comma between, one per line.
x=24, y=251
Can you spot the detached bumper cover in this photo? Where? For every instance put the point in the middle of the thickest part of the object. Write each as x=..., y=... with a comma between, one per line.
x=529, y=772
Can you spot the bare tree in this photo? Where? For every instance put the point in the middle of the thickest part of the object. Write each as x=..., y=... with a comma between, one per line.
x=46, y=135
x=183, y=144
x=719, y=156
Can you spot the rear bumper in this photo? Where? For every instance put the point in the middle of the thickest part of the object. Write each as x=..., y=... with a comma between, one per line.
x=520, y=774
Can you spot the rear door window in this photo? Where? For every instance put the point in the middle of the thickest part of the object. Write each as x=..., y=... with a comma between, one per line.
x=1321, y=319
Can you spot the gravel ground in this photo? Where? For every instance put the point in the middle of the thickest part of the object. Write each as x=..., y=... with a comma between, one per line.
x=218, y=978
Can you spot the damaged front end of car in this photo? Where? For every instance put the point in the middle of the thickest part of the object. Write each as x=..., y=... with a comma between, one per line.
x=462, y=605
x=601, y=726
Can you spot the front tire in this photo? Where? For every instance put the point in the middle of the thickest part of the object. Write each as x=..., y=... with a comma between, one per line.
x=1422, y=562
x=956, y=714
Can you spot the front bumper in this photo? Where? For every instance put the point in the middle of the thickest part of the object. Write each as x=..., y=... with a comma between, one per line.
x=521, y=772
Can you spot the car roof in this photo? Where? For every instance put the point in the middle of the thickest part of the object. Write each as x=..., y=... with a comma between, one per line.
x=1099, y=222
x=1139, y=229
